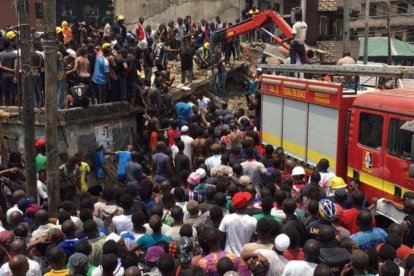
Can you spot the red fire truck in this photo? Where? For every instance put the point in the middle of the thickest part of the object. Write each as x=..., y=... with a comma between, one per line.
x=366, y=135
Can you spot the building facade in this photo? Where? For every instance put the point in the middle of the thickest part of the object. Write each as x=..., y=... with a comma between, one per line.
x=401, y=16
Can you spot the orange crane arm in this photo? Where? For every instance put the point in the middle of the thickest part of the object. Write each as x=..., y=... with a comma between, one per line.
x=255, y=23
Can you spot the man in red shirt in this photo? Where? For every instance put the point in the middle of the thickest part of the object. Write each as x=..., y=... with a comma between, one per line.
x=142, y=38
x=349, y=217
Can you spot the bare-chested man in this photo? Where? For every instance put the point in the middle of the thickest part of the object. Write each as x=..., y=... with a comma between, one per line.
x=235, y=137
x=82, y=67
x=198, y=146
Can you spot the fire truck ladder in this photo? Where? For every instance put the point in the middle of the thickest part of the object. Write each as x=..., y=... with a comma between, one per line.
x=383, y=73
x=398, y=72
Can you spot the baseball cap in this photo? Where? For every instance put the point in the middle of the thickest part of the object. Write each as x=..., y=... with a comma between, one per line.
x=241, y=199
x=337, y=182
x=245, y=180
x=184, y=129
x=259, y=69
x=39, y=143
x=193, y=179
x=106, y=45
x=154, y=253
x=184, y=250
x=10, y=35
x=24, y=203
x=282, y=242
x=201, y=173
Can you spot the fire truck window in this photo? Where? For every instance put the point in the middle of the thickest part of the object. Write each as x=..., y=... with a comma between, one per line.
x=370, y=130
x=399, y=141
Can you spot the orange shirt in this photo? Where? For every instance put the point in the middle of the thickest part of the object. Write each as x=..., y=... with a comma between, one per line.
x=67, y=35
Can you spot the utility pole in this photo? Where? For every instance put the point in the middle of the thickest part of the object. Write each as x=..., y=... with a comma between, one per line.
x=389, y=60
x=27, y=86
x=345, y=31
x=303, y=5
x=52, y=164
x=366, y=31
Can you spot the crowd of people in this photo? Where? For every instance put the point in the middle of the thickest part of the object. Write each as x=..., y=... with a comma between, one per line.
x=201, y=195
x=205, y=198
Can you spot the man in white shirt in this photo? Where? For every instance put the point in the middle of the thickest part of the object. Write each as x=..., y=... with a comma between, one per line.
x=276, y=259
x=41, y=187
x=187, y=141
x=307, y=266
x=18, y=248
x=238, y=227
x=123, y=222
x=214, y=160
x=298, y=38
x=203, y=102
x=42, y=217
x=17, y=195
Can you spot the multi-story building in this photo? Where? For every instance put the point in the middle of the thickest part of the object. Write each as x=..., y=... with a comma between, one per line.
x=399, y=12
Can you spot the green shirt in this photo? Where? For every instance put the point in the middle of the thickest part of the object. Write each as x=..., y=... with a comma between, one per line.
x=91, y=267
x=40, y=162
x=260, y=216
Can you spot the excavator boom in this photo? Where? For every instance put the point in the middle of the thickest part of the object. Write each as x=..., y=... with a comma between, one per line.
x=254, y=23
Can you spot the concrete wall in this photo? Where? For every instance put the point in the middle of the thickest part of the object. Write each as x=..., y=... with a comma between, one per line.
x=156, y=12
x=335, y=50
x=113, y=125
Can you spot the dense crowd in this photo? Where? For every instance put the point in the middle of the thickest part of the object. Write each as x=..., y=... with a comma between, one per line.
x=200, y=196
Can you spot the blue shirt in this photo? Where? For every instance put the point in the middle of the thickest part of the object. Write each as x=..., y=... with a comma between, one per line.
x=98, y=160
x=147, y=241
x=123, y=158
x=183, y=111
x=100, y=71
x=69, y=246
x=370, y=238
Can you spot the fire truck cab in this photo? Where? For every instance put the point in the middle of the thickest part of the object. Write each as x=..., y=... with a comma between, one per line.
x=368, y=136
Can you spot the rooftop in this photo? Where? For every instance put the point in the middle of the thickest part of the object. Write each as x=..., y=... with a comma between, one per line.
x=378, y=47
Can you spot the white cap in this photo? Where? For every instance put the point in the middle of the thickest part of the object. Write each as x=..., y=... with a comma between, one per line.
x=282, y=242
x=298, y=170
x=259, y=69
x=201, y=173
x=184, y=129
x=113, y=237
x=71, y=53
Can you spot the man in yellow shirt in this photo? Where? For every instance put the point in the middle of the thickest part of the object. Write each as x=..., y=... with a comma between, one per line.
x=57, y=261
x=85, y=170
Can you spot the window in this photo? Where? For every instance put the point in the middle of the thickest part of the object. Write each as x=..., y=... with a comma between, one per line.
x=323, y=25
x=399, y=141
x=370, y=130
x=39, y=10
x=402, y=8
x=373, y=9
x=399, y=35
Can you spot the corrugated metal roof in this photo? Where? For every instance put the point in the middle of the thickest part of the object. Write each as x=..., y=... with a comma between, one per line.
x=378, y=47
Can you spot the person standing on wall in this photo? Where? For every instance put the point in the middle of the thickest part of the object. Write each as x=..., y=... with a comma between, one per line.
x=298, y=38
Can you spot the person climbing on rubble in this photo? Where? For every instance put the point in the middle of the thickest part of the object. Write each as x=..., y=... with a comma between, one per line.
x=202, y=56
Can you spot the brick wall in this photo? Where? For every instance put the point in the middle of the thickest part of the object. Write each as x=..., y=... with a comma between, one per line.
x=335, y=50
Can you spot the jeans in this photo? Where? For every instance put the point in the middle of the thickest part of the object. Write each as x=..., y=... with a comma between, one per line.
x=99, y=93
x=221, y=83
x=123, y=89
x=297, y=49
x=38, y=97
x=61, y=91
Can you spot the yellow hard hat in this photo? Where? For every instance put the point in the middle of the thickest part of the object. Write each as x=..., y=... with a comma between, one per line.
x=106, y=45
x=65, y=24
x=120, y=17
x=10, y=35
x=206, y=45
x=59, y=30
x=337, y=182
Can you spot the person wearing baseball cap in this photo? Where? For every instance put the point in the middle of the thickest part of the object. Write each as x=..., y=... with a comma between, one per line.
x=238, y=227
x=40, y=145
